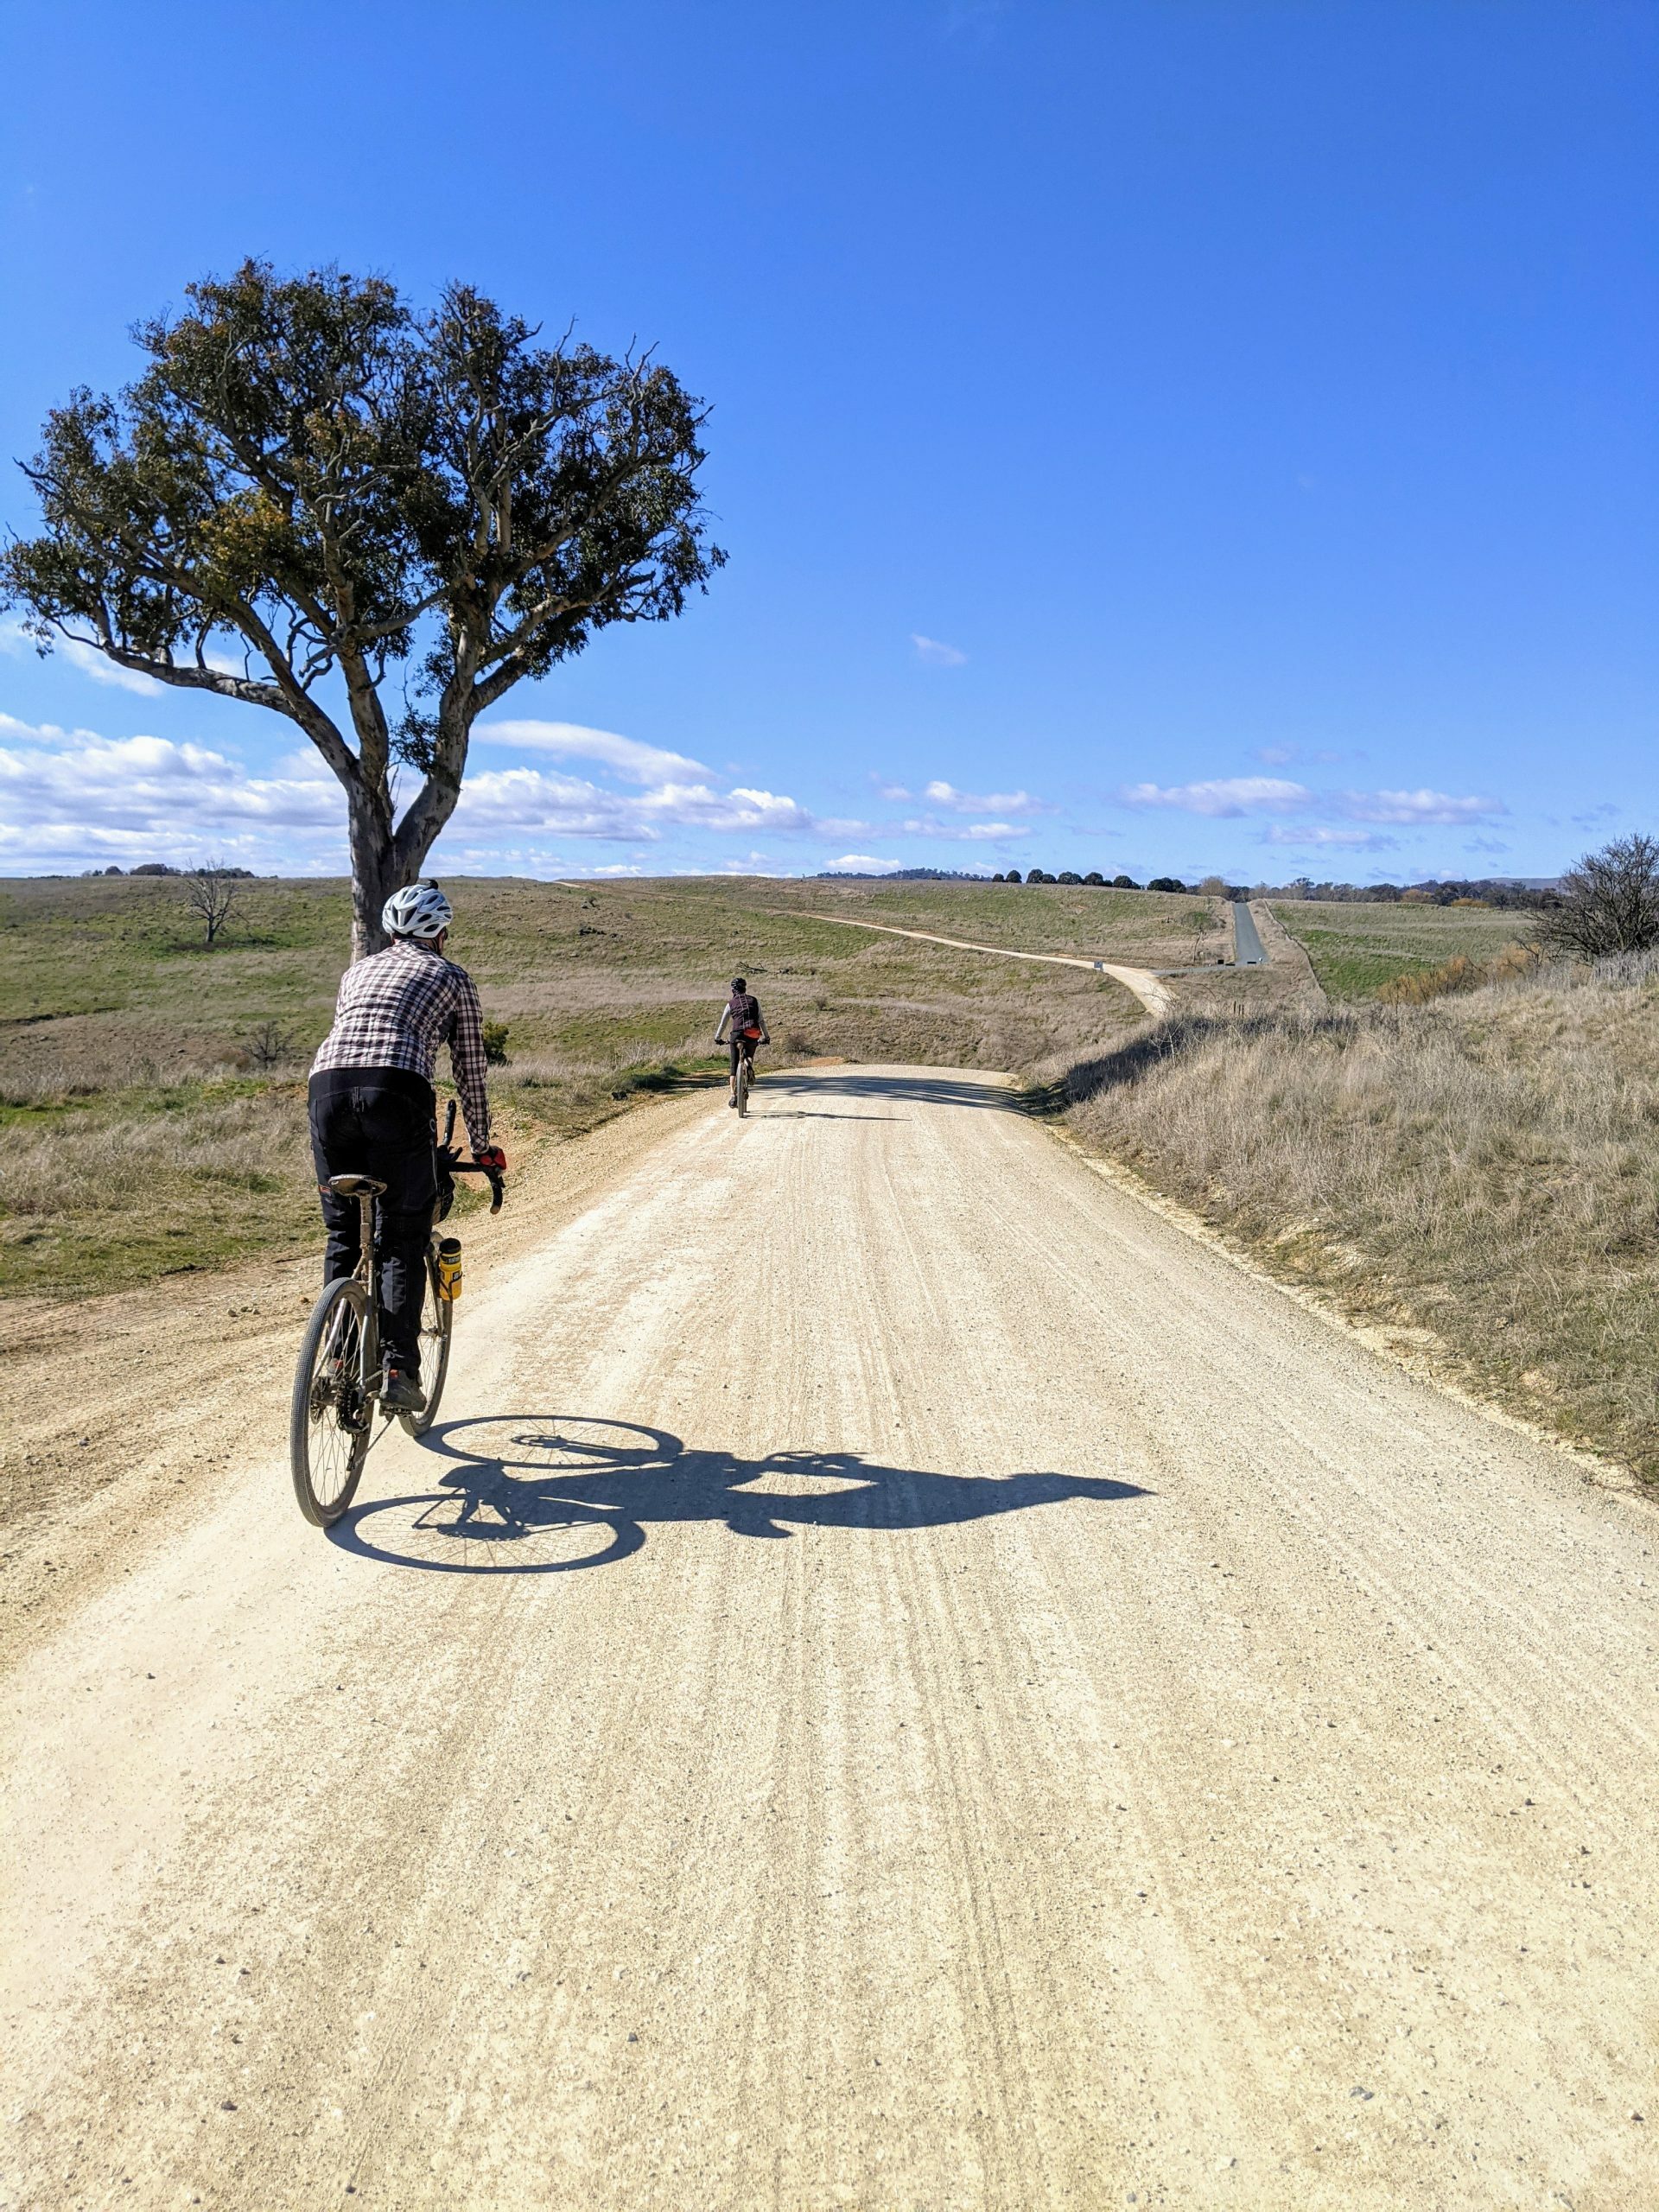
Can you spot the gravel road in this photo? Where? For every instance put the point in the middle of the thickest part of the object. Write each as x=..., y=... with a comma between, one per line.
x=900, y=1680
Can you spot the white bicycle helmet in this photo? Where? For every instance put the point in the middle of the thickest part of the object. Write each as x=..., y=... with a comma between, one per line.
x=419, y=909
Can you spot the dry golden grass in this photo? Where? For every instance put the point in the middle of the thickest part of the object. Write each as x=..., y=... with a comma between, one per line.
x=144, y=1136
x=1481, y=1169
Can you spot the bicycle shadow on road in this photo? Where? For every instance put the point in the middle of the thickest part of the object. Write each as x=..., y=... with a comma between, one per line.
x=550, y=1493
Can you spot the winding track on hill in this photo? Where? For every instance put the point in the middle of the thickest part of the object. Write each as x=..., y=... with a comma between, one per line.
x=901, y=1680
x=1144, y=982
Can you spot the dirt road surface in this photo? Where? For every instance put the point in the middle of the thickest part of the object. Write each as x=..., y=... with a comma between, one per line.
x=1153, y=993
x=900, y=1680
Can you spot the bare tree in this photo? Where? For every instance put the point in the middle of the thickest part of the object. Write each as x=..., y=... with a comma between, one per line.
x=1610, y=901
x=212, y=890
x=269, y=1046
x=315, y=493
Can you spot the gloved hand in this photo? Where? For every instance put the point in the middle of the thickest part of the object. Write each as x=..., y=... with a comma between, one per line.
x=493, y=1158
x=449, y=1160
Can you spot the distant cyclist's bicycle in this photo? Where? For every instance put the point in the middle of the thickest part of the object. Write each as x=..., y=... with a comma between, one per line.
x=745, y=1072
x=337, y=1382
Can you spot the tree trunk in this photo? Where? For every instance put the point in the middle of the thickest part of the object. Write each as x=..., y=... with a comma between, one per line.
x=382, y=861
x=375, y=873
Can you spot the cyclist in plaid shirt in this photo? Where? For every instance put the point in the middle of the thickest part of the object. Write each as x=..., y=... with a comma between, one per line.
x=373, y=1110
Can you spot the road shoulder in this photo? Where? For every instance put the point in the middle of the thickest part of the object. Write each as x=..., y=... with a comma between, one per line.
x=119, y=1415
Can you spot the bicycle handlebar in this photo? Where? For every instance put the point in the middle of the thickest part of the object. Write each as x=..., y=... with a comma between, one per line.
x=498, y=1180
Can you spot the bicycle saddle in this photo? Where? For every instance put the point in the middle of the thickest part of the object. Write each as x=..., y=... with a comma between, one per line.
x=355, y=1186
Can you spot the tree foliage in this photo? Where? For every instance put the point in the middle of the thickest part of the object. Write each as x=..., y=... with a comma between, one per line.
x=1608, y=901
x=357, y=498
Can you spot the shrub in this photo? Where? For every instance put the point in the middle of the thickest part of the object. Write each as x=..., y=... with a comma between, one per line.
x=495, y=1043
x=1166, y=883
x=1610, y=901
x=1013, y=876
x=1124, y=883
x=1068, y=876
x=1095, y=877
x=269, y=1045
x=1459, y=973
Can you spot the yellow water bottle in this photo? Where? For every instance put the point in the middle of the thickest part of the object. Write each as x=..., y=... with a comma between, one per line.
x=449, y=1268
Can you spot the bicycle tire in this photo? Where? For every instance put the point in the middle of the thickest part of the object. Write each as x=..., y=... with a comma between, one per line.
x=744, y=1079
x=437, y=1326
x=330, y=1420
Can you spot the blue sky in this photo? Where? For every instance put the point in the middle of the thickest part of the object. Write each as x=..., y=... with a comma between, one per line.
x=1149, y=434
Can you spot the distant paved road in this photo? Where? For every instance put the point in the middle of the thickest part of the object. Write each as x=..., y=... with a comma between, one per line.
x=900, y=1680
x=1248, y=951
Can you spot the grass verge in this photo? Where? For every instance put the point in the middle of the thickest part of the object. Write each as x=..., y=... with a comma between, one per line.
x=1357, y=949
x=1477, y=1175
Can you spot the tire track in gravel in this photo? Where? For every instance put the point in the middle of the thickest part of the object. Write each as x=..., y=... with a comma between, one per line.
x=899, y=1678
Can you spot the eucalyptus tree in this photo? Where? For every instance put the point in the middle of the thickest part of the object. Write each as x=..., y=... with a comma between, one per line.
x=371, y=520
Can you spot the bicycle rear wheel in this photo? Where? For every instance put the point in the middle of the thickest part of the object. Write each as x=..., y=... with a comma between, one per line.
x=331, y=1418
x=744, y=1077
x=437, y=1319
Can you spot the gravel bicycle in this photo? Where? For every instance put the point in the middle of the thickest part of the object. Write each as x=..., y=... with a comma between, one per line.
x=337, y=1382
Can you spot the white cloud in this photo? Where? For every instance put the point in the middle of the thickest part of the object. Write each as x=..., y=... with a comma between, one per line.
x=13, y=638
x=69, y=797
x=1225, y=797
x=1416, y=807
x=927, y=825
x=1230, y=796
x=627, y=757
x=531, y=799
x=944, y=794
x=863, y=864
x=936, y=653
x=88, y=659
x=694, y=806
x=1358, y=841
x=73, y=797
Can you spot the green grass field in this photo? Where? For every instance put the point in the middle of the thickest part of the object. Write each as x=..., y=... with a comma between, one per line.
x=153, y=1090
x=1358, y=947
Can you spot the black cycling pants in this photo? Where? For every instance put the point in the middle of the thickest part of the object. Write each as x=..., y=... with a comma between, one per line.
x=379, y=1122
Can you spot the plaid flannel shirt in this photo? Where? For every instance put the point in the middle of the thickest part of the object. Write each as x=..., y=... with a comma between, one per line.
x=395, y=1008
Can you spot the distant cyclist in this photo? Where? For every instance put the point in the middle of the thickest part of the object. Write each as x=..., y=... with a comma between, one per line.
x=742, y=1026
x=373, y=1111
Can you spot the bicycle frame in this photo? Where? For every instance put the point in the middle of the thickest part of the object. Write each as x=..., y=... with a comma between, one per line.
x=368, y=1270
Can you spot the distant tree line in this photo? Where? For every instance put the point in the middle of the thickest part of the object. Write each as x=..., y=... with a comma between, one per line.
x=160, y=868
x=1489, y=891
x=1212, y=885
x=1451, y=891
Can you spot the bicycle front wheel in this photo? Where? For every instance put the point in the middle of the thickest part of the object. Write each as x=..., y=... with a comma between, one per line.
x=437, y=1319
x=331, y=1419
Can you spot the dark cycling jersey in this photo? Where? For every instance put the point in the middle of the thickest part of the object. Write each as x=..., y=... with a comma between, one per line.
x=743, y=1009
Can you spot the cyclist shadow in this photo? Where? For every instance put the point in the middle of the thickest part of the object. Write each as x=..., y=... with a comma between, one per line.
x=550, y=1493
